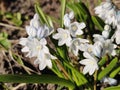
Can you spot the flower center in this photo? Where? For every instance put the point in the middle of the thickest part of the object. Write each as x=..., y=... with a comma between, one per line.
x=39, y=47
x=76, y=43
x=89, y=49
x=65, y=35
x=74, y=27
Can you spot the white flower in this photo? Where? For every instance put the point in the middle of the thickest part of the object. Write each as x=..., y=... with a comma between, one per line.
x=116, y=35
x=44, y=31
x=98, y=37
x=76, y=28
x=108, y=48
x=92, y=49
x=71, y=15
x=33, y=46
x=44, y=59
x=110, y=81
x=109, y=12
x=63, y=36
x=34, y=26
x=90, y=63
x=103, y=9
x=38, y=30
x=97, y=49
x=35, y=22
x=106, y=31
x=67, y=18
x=75, y=45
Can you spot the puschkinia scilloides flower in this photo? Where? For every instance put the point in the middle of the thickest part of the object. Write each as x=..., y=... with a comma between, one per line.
x=35, y=43
x=63, y=36
x=67, y=18
x=75, y=28
x=76, y=45
x=90, y=63
x=111, y=15
x=38, y=30
x=109, y=81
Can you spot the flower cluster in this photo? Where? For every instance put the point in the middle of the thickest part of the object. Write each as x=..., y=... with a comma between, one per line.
x=92, y=50
x=35, y=43
x=111, y=15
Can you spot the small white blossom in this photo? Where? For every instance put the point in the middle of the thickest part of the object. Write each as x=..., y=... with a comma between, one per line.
x=33, y=46
x=106, y=31
x=44, y=31
x=75, y=45
x=71, y=15
x=97, y=49
x=67, y=18
x=38, y=30
x=105, y=45
x=35, y=22
x=108, y=80
x=116, y=35
x=63, y=36
x=94, y=49
x=90, y=63
x=76, y=28
x=44, y=59
x=109, y=13
x=108, y=48
x=98, y=37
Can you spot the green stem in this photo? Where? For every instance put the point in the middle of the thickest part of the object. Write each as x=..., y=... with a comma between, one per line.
x=37, y=79
x=95, y=80
x=63, y=5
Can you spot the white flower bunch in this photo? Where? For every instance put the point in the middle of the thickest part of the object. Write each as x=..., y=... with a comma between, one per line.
x=96, y=52
x=111, y=14
x=35, y=43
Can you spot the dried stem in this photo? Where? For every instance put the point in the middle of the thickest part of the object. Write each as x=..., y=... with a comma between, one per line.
x=10, y=26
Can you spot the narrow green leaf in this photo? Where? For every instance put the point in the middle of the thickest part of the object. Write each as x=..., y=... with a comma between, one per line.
x=98, y=22
x=18, y=59
x=43, y=19
x=115, y=72
x=50, y=21
x=103, y=61
x=56, y=70
x=37, y=79
x=62, y=51
x=107, y=69
x=63, y=5
x=5, y=43
x=113, y=88
x=82, y=80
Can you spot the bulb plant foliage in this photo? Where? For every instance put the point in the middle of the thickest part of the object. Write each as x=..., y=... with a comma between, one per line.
x=87, y=48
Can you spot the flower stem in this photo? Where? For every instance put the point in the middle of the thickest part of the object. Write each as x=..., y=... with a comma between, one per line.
x=95, y=80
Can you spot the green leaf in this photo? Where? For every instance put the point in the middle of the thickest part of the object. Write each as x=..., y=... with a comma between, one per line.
x=113, y=88
x=18, y=59
x=107, y=69
x=56, y=70
x=4, y=35
x=5, y=43
x=42, y=16
x=37, y=79
x=115, y=72
x=81, y=80
x=63, y=5
x=98, y=22
x=103, y=61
